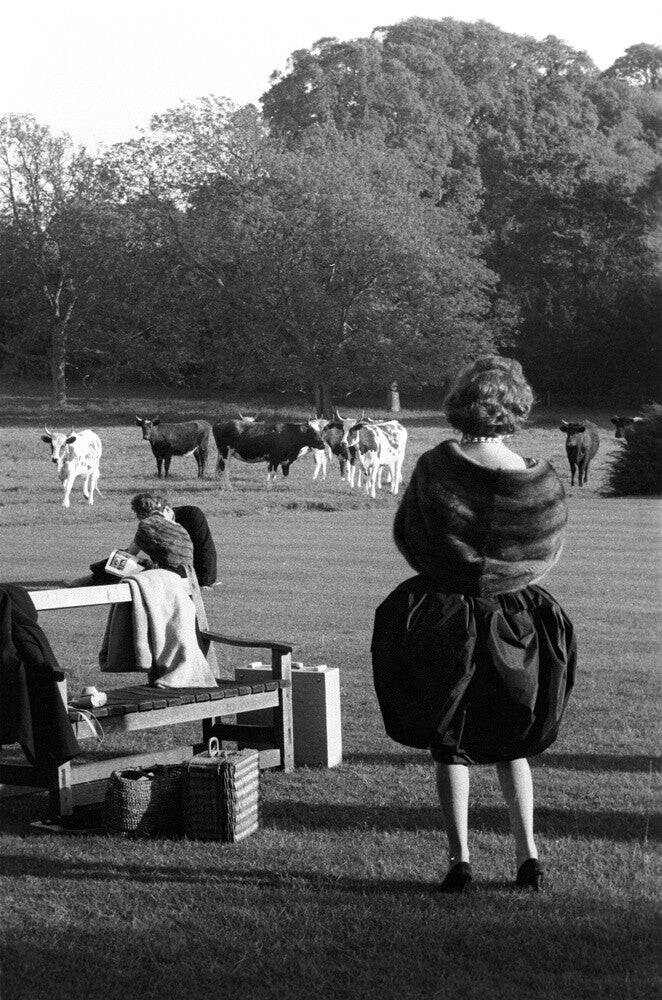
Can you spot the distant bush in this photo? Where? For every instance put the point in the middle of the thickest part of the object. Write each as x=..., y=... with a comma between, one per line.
x=636, y=469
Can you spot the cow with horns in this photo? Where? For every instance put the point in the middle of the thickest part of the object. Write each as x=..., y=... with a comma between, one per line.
x=77, y=453
x=375, y=445
x=191, y=437
x=334, y=435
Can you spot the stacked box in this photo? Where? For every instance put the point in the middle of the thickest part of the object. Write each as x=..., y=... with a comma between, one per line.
x=316, y=719
x=220, y=794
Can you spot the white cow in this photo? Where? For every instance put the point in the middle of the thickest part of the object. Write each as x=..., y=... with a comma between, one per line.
x=397, y=437
x=375, y=446
x=372, y=450
x=321, y=456
x=75, y=454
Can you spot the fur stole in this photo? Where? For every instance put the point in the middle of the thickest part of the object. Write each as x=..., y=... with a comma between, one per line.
x=479, y=531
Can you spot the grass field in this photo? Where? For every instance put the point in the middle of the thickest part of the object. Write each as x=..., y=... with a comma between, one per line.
x=335, y=896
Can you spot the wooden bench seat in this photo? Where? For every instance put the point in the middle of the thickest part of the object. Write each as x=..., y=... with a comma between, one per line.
x=141, y=707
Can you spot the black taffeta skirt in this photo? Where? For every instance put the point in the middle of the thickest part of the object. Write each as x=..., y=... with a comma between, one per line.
x=475, y=680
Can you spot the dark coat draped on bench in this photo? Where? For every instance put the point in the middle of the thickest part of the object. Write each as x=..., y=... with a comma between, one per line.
x=32, y=712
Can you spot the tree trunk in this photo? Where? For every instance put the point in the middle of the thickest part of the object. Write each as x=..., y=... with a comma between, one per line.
x=59, y=363
x=323, y=402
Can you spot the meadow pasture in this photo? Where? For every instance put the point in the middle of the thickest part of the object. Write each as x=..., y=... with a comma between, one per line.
x=335, y=896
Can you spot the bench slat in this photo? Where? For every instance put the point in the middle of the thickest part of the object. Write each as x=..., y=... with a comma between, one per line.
x=122, y=701
x=81, y=597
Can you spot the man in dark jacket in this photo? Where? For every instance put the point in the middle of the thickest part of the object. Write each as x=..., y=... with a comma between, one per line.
x=192, y=519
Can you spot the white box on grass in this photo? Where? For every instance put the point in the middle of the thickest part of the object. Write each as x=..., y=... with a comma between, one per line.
x=315, y=711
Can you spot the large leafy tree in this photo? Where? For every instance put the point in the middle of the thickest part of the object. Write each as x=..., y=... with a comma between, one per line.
x=40, y=191
x=361, y=278
x=566, y=160
x=319, y=263
x=640, y=65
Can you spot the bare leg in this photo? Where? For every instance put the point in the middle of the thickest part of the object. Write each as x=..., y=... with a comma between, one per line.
x=517, y=788
x=453, y=790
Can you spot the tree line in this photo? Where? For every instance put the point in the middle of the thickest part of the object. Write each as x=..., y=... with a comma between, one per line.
x=401, y=203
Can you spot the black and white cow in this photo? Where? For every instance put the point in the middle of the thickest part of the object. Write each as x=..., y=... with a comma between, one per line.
x=321, y=456
x=334, y=435
x=373, y=456
x=75, y=454
x=191, y=437
x=277, y=444
x=581, y=445
x=374, y=446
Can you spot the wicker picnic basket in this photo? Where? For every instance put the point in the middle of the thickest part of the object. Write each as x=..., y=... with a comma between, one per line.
x=220, y=794
x=144, y=802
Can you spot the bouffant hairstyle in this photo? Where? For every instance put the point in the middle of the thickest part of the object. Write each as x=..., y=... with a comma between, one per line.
x=144, y=504
x=489, y=397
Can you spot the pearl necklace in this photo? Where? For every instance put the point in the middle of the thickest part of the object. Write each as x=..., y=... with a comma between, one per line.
x=497, y=439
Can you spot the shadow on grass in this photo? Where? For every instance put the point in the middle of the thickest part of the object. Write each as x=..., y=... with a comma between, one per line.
x=604, y=824
x=308, y=952
x=597, y=824
x=17, y=866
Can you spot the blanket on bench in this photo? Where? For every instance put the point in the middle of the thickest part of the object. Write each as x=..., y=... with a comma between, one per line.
x=156, y=633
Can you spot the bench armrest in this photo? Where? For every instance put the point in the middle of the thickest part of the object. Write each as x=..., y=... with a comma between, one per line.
x=230, y=640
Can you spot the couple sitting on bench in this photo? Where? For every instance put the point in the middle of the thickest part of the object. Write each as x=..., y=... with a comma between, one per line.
x=156, y=632
x=172, y=538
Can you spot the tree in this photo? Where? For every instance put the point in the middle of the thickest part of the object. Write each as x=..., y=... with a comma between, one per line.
x=549, y=163
x=641, y=66
x=40, y=189
x=361, y=279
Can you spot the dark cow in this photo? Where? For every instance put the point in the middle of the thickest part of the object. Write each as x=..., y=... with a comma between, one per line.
x=277, y=444
x=581, y=445
x=335, y=437
x=625, y=425
x=189, y=438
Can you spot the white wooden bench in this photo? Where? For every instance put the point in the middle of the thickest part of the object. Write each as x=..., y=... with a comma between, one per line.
x=141, y=707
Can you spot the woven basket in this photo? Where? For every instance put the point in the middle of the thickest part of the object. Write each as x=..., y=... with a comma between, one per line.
x=144, y=802
x=220, y=794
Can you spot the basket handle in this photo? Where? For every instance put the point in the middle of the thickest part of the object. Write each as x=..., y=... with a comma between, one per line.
x=213, y=746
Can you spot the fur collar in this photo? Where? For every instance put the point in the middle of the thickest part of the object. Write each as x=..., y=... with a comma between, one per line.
x=480, y=531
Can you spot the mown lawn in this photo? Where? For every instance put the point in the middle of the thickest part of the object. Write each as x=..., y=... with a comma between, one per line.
x=335, y=896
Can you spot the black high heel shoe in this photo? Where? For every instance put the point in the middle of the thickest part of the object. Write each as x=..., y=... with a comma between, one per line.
x=530, y=875
x=459, y=879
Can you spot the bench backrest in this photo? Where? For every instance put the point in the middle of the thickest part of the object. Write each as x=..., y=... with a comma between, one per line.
x=84, y=597
x=115, y=593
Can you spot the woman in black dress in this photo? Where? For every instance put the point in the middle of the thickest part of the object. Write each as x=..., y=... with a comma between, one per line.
x=472, y=659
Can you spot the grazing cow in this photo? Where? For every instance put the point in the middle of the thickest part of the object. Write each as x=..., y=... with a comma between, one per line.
x=76, y=454
x=625, y=425
x=582, y=443
x=369, y=445
x=188, y=438
x=277, y=444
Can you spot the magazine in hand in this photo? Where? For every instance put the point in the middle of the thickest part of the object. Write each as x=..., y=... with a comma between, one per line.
x=123, y=563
